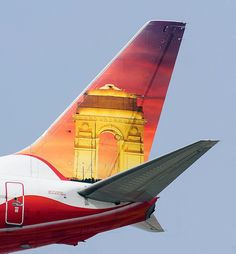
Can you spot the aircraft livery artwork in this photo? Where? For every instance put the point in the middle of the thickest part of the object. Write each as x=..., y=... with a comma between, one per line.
x=50, y=191
x=111, y=126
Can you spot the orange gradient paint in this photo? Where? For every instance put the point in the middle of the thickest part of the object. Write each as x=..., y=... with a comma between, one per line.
x=139, y=78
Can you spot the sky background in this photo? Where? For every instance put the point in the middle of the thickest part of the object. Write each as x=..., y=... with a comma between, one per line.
x=51, y=50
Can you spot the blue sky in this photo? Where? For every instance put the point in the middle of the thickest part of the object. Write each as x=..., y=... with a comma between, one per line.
x=51, y=50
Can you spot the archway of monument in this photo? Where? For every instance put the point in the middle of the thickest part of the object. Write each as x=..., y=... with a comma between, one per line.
x=108, y=154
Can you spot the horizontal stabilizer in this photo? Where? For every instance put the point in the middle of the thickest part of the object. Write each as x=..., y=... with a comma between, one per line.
x=150, y=225
x=146, y=181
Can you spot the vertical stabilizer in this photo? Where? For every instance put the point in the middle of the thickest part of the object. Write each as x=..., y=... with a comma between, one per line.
x=118, y=113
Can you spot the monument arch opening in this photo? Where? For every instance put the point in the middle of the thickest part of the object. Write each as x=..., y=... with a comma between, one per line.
x=108, y=154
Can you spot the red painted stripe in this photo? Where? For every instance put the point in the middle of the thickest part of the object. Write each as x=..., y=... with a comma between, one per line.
x=39, y=209
x=62, y=177
x=70, y=232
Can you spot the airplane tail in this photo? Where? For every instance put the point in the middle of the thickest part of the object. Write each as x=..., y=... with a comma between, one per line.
x=110, y=127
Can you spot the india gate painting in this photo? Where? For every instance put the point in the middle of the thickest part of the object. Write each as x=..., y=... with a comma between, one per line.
x=109, y=127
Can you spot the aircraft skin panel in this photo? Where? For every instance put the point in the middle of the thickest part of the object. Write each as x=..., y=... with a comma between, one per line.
x=122, y=104
x=30, y=166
